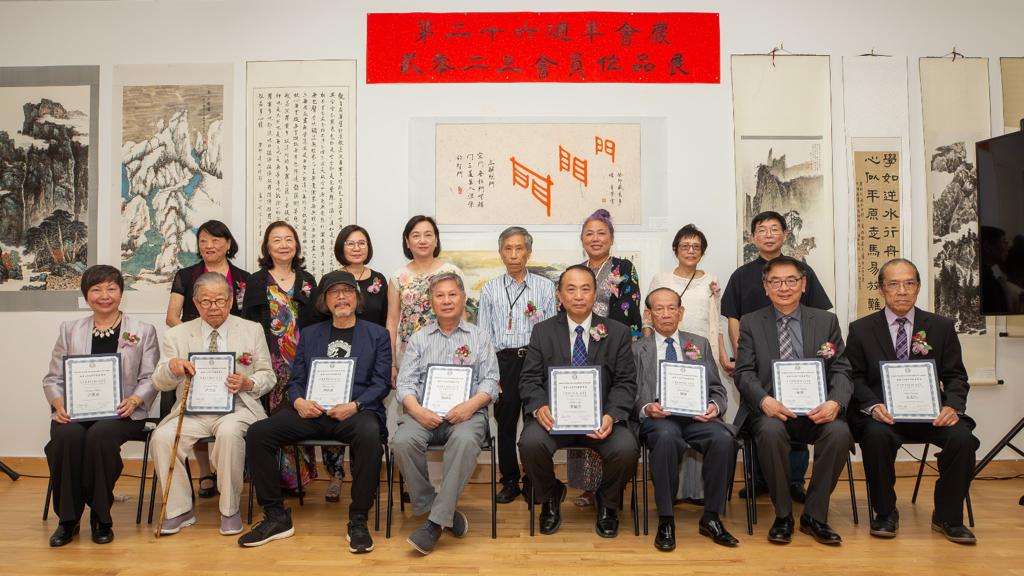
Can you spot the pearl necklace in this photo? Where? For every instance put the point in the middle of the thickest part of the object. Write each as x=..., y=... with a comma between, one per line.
x=108, y=331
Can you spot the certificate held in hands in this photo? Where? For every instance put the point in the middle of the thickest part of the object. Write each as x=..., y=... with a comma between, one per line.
x=683, y=388
x=447, y=386
x=92, y=386
x=911, y=390
x=799, y=384
x=574, y=395
x=330, y=381
x=209, y=393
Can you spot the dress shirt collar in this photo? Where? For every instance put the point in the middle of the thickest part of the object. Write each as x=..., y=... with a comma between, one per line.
x=585, y=324
x=891, y=318
x=795, y=314
x=435, y=327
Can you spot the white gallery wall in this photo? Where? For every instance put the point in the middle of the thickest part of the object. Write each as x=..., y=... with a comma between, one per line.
x=698, y=122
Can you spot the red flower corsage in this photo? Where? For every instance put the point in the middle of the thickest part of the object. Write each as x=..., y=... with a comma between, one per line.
x=462, y=354
x=598, y=332
x=375, y=286
x=919, y=345
x=692, y=352
x=827, y=350
x=245, y=359
x=129, y=339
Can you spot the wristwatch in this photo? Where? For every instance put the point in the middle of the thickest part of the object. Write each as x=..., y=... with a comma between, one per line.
x=359, y=405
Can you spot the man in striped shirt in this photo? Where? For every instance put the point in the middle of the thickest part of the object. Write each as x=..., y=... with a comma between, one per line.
x=510, y=305
x=461, y=428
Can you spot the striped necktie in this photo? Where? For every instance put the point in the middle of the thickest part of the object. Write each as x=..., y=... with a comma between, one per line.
x=902, y=345
x=579, y=349
x=786, y=349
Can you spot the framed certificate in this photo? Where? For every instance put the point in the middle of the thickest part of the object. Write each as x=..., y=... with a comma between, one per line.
x=574, y=395
x=447, y=386
x=799, y=384
x=330, y=381
x=911, y=390
x=209, y=394
x=92, y=386
x=683, y=388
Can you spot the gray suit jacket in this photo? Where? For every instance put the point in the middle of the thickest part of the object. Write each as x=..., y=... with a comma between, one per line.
x=759, y=345
x=645, y=353
x=243, y=336
x=137, y=360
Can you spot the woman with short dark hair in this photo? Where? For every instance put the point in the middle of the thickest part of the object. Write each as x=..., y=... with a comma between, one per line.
x=84, y=457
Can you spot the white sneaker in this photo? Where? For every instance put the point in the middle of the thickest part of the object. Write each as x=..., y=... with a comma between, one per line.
x=231, y=525
x=174, y=525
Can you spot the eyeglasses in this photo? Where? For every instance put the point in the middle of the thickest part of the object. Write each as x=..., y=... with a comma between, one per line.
x=773, y=231
x=344, y=290
x=790, y=282
x=219, y=303
x=356, y=244
x=688, y=247
x=895, y=285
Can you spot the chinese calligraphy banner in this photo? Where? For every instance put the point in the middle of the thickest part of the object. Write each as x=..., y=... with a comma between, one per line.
x=301, y=149
x=653, y=47
x=536, y=173
x=877, y=203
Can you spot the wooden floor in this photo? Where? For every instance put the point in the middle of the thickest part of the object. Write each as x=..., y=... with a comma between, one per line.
x=319, y=544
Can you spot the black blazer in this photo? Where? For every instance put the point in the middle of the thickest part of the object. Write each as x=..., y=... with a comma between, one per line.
x=184, y=284
x=870, y=342
x=549, y=347
x=256, y=307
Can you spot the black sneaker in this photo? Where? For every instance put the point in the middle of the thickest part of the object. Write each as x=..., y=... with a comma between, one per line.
x=272, y=527
x=359, y=540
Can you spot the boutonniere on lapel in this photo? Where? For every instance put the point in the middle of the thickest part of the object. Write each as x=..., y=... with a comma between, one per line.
x=245, y=358
x=613, y=281
x=692, y=352
x=462, y=354
x=128, y=339
x=531, y=311
x=239, y=293
x=827, y=350
x=307, y=288
x=598, y=333
x=375, y=287
x=920, y=346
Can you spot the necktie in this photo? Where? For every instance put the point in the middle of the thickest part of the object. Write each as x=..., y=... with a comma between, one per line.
x=786, y=350
x=579, y=349
x=902, y=348
x=213, y=342
x=670, y=351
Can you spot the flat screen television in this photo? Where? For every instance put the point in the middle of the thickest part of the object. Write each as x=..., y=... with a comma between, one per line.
x=1001, y=223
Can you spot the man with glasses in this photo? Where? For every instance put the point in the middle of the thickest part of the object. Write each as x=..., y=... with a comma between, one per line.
x=745, y=293
x=902, y=332
x=214, y=331
x=359, y=422
x=789, y=330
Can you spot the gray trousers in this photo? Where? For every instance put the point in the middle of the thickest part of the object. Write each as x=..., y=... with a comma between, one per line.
x=461, y=447
x=832, y=442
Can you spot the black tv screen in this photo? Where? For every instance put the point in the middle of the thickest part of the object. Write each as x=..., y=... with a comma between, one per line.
x=1001, y=223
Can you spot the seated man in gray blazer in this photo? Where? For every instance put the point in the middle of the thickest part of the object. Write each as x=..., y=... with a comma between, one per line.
x=788, y=330
x=668, y=435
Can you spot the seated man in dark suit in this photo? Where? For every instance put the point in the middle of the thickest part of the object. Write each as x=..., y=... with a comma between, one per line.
x=788, y=330
x=902, y=331
x=578, y=337
x=359, y=423
x=668, y=435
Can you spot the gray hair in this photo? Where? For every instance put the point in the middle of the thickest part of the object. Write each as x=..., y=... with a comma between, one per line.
x=211, y=279
x=515, y=231
x=881, y=271
x=447, y=276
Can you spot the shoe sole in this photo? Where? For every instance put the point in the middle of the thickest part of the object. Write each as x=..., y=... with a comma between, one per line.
x=357, y=550
x=465, y=521
x=598, y=532
x=937, y=528
x=185, y=524
x=417, y=548
x=230, y=532
x=73, y=534
x=808, y=531
x=884, y=534
x=708, y=535
x=780, y=540
x=279, y=536
x=659, y=549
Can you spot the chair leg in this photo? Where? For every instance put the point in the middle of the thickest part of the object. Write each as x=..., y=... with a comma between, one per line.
x=390, y=478
x=970, y=511
x=401, y=492
x=376, y=506
x=747, y=483
x=920, y=472
x=152, y=496
x=46, y=504
x=298, y=477
x=494, y=493
x=644, y=474
x=531, y=507
x=636, y=509
x=853, y=492
x=142, y=480
x=753, y=480
x=867, y=492
x=188, y=472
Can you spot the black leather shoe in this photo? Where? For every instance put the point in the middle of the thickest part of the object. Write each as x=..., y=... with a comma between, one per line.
x=820, y=531
x=760, y=490
x=781, y=531
x=63, y=534
x=607, y=525
x=665, y=539
x=508, y=493
x=959, y=534
x=102, y=534
x=885, y=526
x=715, y=530
x=798, y=493
x=551, y=512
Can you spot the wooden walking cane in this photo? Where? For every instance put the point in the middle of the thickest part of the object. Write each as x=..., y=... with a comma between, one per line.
x=174, y=452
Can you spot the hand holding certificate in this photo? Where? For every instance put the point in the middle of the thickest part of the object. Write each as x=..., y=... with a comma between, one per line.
x=911, y=390
x=447, y=386
x=575, y=399
x=799, y=384
x=330, y=381
x=210, y=394
x=92, y=387
x=683, y=388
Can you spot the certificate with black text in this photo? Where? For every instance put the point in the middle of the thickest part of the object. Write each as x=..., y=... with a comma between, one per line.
x=799, y=384
x=209, y=393
x=446, y=386
x=574, y=396
x=330, y=381
x=683, y=388
x=92, y=386
x=911, y=390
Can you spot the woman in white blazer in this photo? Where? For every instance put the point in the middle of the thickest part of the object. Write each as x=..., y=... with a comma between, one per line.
x=85, y=456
